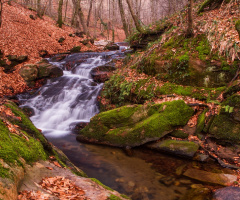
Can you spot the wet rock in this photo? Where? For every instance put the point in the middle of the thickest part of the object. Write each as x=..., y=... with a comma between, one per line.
x=112, y=47
x=167, y=180
x=101, y=44
x=197, y=194
x=181, y=148
x=28, y=111
x=136, y=124
x=46, y=70
x=76, y=127
x=227, y=193
x=29, y=72
x=209, y=177
x=100, y=74
x=201, y=157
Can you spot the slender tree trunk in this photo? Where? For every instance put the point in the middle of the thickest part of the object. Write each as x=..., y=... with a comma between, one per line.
x=135, y=18
x=1, y=6
x=39, y=9
x=190, y=19
x=74, y=14
x=50, y=7
x=66, y=11
x=122, y=13
x=60, y=21
x=89, y=13
x=82, y=20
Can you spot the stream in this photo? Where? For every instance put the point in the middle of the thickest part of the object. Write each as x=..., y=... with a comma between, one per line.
x=71, y=99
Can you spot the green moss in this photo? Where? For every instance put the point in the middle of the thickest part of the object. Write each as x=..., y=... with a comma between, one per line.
x=146, y=124
x=185, y=147
x=124, y=196
x=201, y=122
x=203, y=49
x=75, y=49
x=12, y=147
x=179, y=134
x=113, y=197
x=99, y=183
x=4, y=172
x=224, y=128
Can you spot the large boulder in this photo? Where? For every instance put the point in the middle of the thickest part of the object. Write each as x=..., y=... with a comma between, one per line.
x=100, y=74
x=226, y=125
x=135, y=125
x=29, y=72
x=177, y=147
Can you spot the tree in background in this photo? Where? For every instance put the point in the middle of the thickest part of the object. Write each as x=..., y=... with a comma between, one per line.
x=60, y=21
x=135, y=17
x=1, y=6
x=122, y=13
x=190, y=19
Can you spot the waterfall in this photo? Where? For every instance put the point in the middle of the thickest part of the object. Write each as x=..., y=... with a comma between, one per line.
x=69, y=99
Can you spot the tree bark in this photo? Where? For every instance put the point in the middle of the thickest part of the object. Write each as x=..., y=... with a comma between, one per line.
x=82, y=20
x=1, y=6
x=122, y=13
x=190, y=19
x=39, y=9
x=60, y=21
x=135, y=18
x=66, y=10
x=89, y=13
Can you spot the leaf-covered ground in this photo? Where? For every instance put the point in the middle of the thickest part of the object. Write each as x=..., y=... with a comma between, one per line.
x=21, y=35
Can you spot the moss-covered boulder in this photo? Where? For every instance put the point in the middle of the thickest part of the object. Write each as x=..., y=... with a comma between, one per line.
x=226, y=125
x=176, y=147
x=29, y=72
x=135, y=125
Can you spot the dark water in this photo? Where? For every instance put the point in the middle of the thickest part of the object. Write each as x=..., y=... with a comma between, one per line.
x=71, y=99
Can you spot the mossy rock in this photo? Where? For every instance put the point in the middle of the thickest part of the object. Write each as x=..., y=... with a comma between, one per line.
x=135, y=125
x=179, y=134
x=226, y=125
x=29, y=72
x=201, y=122
x=176, y=147
x=75, y=49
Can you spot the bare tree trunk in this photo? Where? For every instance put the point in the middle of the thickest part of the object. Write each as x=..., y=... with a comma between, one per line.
x=1, y=8
x=89, y=13
x=122, y=13
x=39, y=9
x=75, y=6
x=190, y=19
x=135, y=18
x=82, y=20
x=50, y=7
x=66, y=10
x=60, y=21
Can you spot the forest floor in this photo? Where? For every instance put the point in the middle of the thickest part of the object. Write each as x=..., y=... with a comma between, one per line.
x=21, y=35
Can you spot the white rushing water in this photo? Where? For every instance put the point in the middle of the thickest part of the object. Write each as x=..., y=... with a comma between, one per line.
x=70, y=99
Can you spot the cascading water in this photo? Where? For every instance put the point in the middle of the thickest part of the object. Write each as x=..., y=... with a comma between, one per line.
x=63, y=102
